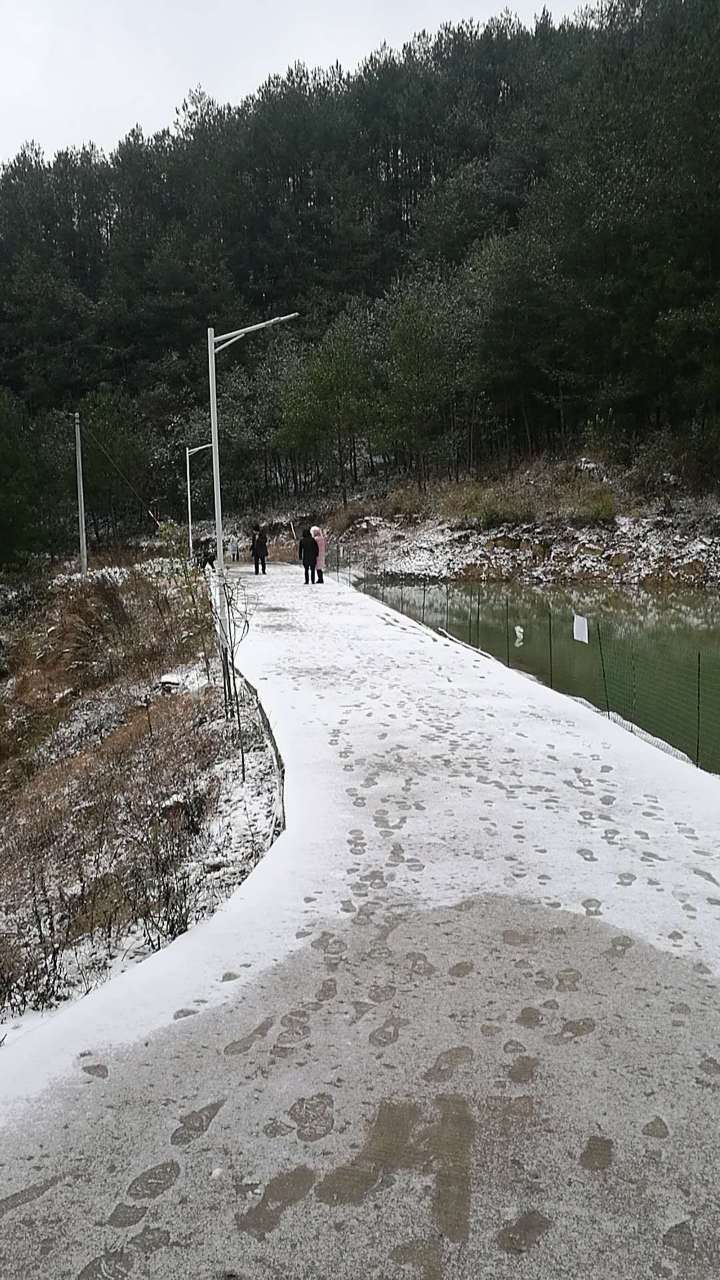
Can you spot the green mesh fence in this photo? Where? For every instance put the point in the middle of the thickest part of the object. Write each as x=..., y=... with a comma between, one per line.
x=669, y=690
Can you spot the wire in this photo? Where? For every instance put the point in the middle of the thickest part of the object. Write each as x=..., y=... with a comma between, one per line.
x=113, y=463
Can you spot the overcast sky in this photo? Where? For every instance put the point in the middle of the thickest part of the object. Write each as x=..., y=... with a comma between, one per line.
x=78, y=70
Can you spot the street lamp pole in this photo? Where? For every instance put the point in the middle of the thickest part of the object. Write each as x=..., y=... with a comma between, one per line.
x=81, y=498
x=217, y=343
x=189, y=502
x=219, y=558
x=188, y=455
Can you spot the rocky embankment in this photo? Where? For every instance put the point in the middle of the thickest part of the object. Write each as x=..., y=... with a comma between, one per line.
x=654, y=551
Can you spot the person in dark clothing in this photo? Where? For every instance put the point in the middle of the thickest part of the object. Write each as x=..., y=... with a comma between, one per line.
x=308, y=553
x=259, y=547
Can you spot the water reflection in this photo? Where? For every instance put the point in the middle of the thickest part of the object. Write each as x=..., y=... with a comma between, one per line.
x=652, y=659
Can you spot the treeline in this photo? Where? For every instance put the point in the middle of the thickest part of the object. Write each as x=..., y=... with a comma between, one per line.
x=499, y=241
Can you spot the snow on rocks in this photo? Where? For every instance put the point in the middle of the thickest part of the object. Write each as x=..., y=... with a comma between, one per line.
x=158, y=567
x=189, y=679
x=648, y=551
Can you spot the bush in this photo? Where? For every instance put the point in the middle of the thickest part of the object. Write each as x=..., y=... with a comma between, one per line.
x=499, y=508
x=698, y=455
x=602, y=508
x=11, y=973
x=542, y=492
x=651, y=465
x=127, y=824
x=487, y=505
x=404, y=501
x=342, y=519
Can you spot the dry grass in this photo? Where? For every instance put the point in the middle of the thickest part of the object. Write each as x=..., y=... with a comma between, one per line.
x=107, y=838
x=341, y=520
x=538, y=494
x=102, y=831
x=283, y=551
x=88, y=636
x=543, y=492
x=123, y=555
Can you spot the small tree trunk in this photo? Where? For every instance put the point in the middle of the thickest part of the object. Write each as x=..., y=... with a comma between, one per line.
x=526, y=420
x=341, y=468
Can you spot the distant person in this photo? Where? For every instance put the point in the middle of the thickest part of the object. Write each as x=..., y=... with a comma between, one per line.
x=321, y=540
x=234, y=547
x=308, y=553
x=259, y=547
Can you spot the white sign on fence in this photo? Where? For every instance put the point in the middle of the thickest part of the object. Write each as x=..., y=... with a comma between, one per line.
x=580, y=628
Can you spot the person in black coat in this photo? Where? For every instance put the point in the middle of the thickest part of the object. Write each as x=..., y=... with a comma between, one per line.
x=308, y=553
x=259, y=547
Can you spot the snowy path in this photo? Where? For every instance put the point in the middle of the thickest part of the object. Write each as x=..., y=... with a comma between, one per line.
x=462, y=1020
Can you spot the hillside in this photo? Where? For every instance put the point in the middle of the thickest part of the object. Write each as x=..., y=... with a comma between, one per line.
x=562, y=521
x=133, y=800
x=503, y=243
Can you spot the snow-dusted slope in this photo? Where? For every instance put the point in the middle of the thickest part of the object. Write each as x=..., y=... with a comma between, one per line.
x=463, y=1010
x=496, y=784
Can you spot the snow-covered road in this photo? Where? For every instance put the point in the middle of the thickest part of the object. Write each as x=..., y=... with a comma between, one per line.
x=462, y=1020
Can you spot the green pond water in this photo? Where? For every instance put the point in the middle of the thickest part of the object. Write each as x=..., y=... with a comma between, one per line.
x=651, y=659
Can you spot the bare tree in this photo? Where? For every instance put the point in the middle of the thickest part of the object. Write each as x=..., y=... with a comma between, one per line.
x=236, y=609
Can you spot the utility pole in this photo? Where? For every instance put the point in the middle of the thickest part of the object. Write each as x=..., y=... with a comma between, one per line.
x=216, y=344
x=221, y=602
x=189, y=501
x=219, y=556
x=188, y=455
x=81, y=498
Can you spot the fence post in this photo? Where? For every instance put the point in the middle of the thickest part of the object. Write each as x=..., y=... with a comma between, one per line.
x=633, y=686
x=604, y=675
x=402, y=594
x=477, y=617
x=383, y=584
x=470, y=612
x=507, y=630
x=550, y=648
x=447, y=606
x=698, y=709
x=337, y=561
x=423, y=599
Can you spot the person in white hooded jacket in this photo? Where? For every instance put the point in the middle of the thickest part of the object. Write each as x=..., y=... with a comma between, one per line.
x=321, y=540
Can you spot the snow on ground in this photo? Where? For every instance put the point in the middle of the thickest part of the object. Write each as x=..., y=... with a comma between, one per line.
x=629, y=550
x=91, y=719
x=158, y=567
x=477, y=780
x=246, y=819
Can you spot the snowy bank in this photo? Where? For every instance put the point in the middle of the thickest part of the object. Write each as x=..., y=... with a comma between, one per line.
x=654, y=551
x=469, y=779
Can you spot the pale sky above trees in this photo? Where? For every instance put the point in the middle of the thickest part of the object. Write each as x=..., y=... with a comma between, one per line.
x=77, y=71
